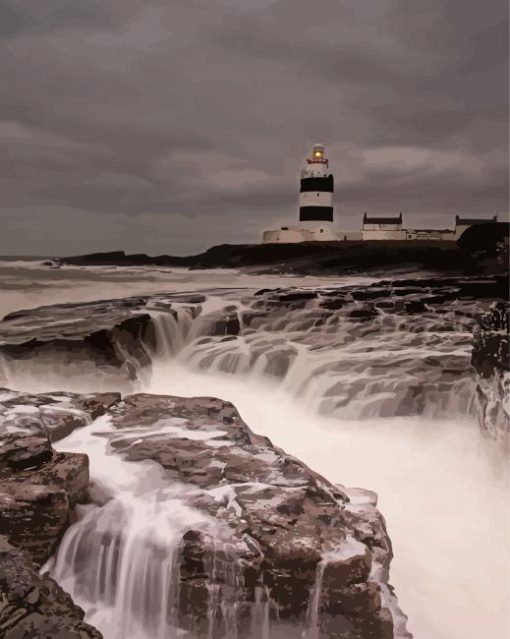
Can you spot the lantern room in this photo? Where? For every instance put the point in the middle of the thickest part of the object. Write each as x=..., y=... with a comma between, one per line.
x=318, y=155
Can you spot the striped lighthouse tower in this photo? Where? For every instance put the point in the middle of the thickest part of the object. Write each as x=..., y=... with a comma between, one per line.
x=316, y=192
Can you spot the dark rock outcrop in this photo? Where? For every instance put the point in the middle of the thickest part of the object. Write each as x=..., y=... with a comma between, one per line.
x=491, y=360
x=291, y=533
x=34, y=606
x=110, y=340
x=110, y=335
x=39, y=488
x=484, y=247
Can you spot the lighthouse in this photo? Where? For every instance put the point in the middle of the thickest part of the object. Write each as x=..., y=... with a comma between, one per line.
x=316, y=188
x=315, y=223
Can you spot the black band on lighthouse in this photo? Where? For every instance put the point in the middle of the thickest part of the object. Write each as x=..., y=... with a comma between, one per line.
x=316, y=214
x=320, y=184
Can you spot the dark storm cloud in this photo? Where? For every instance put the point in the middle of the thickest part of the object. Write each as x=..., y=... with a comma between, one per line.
x=169, y=126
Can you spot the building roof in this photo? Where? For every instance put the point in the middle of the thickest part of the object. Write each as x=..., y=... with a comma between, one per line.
x=382, y=220
x=466, y=221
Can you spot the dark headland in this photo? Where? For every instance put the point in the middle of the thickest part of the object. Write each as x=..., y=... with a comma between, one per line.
x=481, y=249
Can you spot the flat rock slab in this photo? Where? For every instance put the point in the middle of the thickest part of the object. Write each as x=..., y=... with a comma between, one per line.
x=39, y=488
x=283, y=518
x=54, y=415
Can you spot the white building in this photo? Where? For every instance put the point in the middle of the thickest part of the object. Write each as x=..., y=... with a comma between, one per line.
x=382, y=228
x=293, y=234
x=447, y=235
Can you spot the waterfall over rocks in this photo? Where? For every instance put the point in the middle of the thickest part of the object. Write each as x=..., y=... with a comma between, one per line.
x=224, y=536
x=394, y=348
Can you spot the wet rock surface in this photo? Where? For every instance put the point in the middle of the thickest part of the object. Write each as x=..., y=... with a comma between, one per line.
x=39, y=488
x=34, y=605
x=278, y=520
x=395, y=347
x=50, y=415
x=491, y=361
x=110, y=335
x=281, y=522
x=287, y=544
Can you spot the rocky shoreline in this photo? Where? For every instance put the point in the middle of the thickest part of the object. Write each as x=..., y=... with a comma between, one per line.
x=281, y=524
x=274, y=546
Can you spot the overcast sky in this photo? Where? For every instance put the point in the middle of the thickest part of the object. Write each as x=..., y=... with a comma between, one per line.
x=166, y=126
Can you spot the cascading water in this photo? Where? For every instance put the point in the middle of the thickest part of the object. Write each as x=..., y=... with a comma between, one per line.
x=311, y=630
x=417, y=464
x=389, y=366
x=120, y=561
